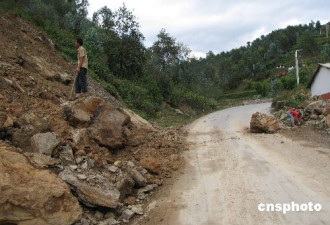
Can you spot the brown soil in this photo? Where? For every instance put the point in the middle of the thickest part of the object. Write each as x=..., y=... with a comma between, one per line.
x=310, y=136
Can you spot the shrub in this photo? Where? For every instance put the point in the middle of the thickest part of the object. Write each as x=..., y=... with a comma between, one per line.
x=289, y=82
x=292, y=99
x=262, y=87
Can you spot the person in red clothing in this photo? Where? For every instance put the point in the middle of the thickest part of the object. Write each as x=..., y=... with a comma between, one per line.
x=294, y=115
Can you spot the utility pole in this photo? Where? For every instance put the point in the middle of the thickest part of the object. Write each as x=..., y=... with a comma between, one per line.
x=297, y=66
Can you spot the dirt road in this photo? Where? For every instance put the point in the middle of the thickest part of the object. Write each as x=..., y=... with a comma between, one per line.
x=231, y=171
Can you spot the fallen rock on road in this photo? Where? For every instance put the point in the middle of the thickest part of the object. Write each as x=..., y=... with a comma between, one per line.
x=262, y=123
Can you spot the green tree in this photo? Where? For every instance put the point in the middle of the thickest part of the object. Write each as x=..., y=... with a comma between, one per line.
x=104, y=18
x=129, y=49
x=165, y=50
x=318, y=25
x=307, y=42
x=325, y=53
x=262, y=87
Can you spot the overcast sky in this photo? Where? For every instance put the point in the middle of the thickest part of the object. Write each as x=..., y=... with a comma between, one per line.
x=218, y=25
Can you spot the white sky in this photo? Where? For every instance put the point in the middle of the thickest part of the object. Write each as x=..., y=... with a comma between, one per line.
x=217, y=25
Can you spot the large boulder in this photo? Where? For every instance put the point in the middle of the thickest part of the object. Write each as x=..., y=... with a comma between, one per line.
x=44, y=143
x=31, y=196
x=104, y=123
x=91, y=195
x=262, y=123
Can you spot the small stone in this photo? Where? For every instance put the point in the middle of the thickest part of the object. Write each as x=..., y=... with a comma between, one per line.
x=99, y=215
x=79, y=159
x=82, y=176
x=109, y=215
x=144, y=172
x=66, y=154
x=127, y=215
x=113, y=169
x=124, y=184
x=130, y=200
x=73, y=167
x=110, y=221
x=91, y=163
x=174, y=157
x=84, y=165
x=141, y=193
x=84, y=221
x=137, y=209
x=130, y=164
x=118, y=164
x=8, y=123
x=140, y=181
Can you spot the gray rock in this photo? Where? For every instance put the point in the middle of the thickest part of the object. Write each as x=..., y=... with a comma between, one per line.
x=137, y=209
x=140, y=181
x=66, y=154
x=113, y=169
x=125, y=184
x=118, y=164
x=82, y=176
x=130, y=164
x=91, y=163
x=99, y=215
x=91, y=195
x=141, y=193
x=110, y=221
x=44, y=143
x=127, y=215
x=84, y=165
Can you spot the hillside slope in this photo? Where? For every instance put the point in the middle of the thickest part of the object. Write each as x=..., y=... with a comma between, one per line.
x=109, y=156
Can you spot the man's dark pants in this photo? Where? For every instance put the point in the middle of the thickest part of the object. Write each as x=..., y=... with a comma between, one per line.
x=81, y=81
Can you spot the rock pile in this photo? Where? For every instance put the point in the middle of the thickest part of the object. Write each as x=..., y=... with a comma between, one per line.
x=315, y=113
x=109, y=191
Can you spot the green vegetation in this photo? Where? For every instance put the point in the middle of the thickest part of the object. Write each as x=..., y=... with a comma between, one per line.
x=147, y=78
x=292, y=99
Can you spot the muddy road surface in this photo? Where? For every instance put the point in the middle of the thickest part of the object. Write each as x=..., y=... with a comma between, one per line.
x=230, y=172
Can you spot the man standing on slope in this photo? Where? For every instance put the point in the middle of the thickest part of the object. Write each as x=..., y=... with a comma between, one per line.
x=81, y=78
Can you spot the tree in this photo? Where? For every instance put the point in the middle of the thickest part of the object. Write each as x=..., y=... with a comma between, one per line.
x=104, y=18
x=318, y=25
x=325, y=53
x=307, y=42
x=126, y=49
x=165, y=50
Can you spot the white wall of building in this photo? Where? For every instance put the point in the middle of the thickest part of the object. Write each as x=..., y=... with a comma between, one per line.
x=321, y=84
